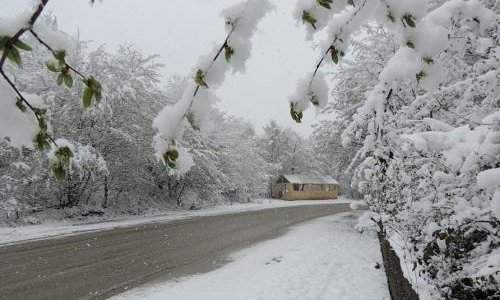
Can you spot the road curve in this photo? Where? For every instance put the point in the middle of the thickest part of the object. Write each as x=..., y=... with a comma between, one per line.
x=100, y=264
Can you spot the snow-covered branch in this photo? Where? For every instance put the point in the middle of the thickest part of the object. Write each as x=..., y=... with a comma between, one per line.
x=193, y=107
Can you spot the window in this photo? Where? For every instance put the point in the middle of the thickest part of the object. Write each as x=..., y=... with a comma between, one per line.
x=296, y=186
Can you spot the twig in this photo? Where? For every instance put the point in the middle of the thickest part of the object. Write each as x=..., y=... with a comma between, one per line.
x=332, y=47
x=9, y=44
x=53, y=52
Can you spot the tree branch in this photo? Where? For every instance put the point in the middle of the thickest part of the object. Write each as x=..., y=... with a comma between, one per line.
x=53, y=52
x=9, y=44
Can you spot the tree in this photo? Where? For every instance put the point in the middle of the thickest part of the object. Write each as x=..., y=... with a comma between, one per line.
x=427, y=128
x=351, y=80
x=286, y=151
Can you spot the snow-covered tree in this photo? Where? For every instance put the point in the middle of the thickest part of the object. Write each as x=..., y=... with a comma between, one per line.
x=193, y=106
x=427, y=128
x=350, y=82
x=286, y=151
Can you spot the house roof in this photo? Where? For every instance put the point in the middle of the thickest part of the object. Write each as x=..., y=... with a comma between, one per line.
x=303, y=179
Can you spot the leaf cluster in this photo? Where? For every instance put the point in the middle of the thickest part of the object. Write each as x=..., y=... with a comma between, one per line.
x=61, y=166
x=170, y=157
x=307, y=17
x=93, y=89
x=199, y=78
x=11, y=51
x=60, y=66
x=295, y=112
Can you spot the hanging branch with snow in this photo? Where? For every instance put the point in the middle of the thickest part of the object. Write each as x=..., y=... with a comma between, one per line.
x=193, y=107
x=23, y=131
x=314, y=90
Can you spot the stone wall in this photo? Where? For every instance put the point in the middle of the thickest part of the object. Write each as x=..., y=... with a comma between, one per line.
x=399, y=287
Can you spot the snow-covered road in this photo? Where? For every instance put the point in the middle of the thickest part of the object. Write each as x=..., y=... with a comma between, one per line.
x=322, y=259
x=58, y=229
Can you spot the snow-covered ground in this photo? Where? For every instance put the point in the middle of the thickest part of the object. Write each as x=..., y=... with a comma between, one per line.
x=9, y=235
x=322, y=259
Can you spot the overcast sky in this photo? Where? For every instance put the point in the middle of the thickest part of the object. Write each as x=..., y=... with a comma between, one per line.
x=180, y=30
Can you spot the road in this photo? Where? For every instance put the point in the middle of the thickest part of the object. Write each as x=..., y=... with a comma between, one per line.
x=100, y=264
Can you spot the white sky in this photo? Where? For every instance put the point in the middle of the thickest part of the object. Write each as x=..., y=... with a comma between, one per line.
x=181, y=30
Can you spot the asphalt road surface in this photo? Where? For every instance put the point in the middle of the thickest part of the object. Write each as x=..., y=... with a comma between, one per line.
x=100, y=264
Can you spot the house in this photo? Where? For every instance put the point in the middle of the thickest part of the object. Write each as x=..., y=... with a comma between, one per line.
x=304, y=187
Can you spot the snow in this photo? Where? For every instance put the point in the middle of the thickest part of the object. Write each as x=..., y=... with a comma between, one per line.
x=403, y=65
x=10, y=26
x=321, y=259
x=245, y=15
x=9, y=235
x=241, y=22
x=321, y=14
x=489, y=179
x=56, y=39
x=20, y=127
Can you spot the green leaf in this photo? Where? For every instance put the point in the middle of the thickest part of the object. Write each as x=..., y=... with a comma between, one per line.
x=60, y=55
x=170, y=157
x=58, y=171
x=60, y=79
x=314, y=99
x=68, y=80
x=428, y=60
x=51, y=65
x=307, y=17
x=409, y=19
x=87, y=97
x=351, y=2
x=20, y=104
x=41, y=115
x=41, y=112
x=295, y=112
x=42, y=123
x=64, y=154
x=93, y=89
x=228, y=52
x=13, y=55
x=419, y=76
x=200, y=78
x=334, y=55
x=325, y=3
x=42, y=140
x=98, y=96
x=19, y=44
x=3, y=40
x=391, y=17
x=191, y=119
x=61, y=166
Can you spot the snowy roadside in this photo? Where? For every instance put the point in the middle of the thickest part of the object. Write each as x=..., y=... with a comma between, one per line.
x=322, y=259
x=10, y=235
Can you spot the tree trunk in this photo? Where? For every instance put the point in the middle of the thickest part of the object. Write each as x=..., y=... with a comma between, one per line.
x=105, y=204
